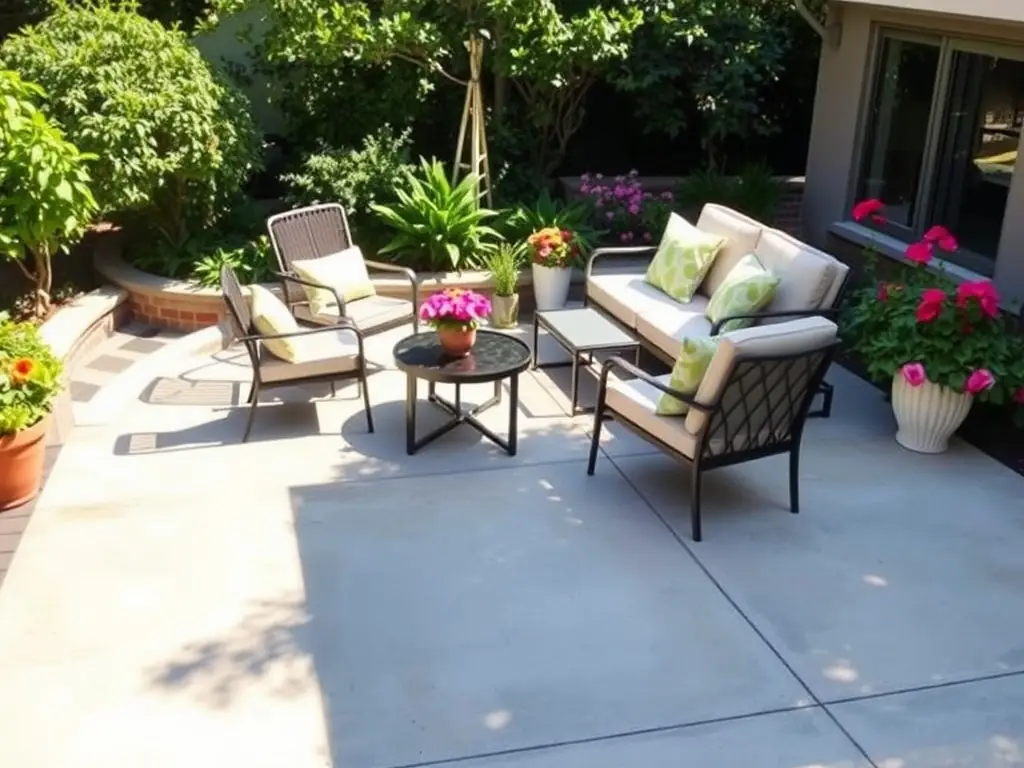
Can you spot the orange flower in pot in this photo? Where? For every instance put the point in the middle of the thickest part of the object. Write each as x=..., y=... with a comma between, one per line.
x=30, y=378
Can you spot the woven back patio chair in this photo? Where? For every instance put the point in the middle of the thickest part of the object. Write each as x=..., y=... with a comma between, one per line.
x=322, y=230
x=331, y=353
x=753, y=402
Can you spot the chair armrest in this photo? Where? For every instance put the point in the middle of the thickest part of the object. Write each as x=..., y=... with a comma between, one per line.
x=286, y=277
x=414, y=283
x=344, y=325
x=828, y=313
x=627, y=250
x=618, y=362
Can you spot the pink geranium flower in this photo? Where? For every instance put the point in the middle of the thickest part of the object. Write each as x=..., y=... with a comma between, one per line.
x=932, y=301
x=1018, y=396
x=869, y=209
x=914, y=374
x=979, y=381
x=919, y=253
x=984, y=292
x=942, y=237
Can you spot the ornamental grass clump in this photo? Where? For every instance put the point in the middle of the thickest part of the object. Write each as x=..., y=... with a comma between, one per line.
x=455, y=309
x=553, y=247
x=30, y=377
x=928, y=327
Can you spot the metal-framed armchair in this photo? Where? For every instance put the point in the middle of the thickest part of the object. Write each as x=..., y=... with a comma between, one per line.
x=334, y=353
x=753, y=402
x=321, y=230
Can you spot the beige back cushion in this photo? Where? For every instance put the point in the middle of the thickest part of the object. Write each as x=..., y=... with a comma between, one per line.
x=763, y=340
x=741, y=235
x=808, y=276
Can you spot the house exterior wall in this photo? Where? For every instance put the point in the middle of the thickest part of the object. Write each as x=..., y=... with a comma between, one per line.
x=993, y=10
x=842, y=94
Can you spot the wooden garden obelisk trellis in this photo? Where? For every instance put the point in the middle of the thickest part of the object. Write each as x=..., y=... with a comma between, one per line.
x=471, y=151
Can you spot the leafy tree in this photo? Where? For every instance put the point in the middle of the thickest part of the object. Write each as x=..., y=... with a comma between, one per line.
x=551, y=57
x=710, y=59
x=45, y=202
x=171, y=136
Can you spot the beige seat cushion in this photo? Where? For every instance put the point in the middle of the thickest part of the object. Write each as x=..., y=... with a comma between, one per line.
x=318, y=354
x=742, y=234
x=637, y=401
x=368, y=314
x=807, y=275
x=666, y=326
x=626, y=296
x=767, y=340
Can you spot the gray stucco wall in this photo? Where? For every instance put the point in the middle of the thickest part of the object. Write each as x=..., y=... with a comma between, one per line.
x=843, y=89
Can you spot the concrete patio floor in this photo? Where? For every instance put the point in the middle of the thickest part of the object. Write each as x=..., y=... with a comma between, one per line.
x=318, y=598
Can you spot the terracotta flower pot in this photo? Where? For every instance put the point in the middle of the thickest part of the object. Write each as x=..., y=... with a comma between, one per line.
x=456, y=342
x=21, y=464
x=927, y=415
x=505, y=311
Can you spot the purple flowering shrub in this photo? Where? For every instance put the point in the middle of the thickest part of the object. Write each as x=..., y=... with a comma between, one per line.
x=622, y=207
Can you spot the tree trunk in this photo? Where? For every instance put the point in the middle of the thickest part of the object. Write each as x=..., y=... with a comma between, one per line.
x=43, y=280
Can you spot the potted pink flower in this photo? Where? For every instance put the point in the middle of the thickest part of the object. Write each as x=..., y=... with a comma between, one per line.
x=456, y=314
x=943, y=344
x=553, y=253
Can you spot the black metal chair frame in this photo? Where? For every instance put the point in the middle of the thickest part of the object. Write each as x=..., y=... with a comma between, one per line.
x=825, y=389
x=289, y=279
x=777, y=433
x=251, y=338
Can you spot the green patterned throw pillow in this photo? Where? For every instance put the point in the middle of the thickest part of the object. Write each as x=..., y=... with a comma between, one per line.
x=683, y=259
x=749, y=287
x=691, y=365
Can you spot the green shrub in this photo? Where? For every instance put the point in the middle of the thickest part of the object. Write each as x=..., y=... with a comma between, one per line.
x=45, y=201
x=237, y=240
x=172, y=137
x=755, y=192
x=356, y=178
x=438, y=226
x=29, y=376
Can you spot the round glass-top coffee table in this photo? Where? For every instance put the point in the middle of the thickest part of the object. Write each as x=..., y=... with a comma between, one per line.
x=496, y=356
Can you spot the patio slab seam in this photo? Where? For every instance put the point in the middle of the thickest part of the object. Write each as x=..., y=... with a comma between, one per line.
x=775, y=652
x=611, y=737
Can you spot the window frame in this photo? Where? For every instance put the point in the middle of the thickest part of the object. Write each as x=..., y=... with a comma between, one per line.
x=925, y=202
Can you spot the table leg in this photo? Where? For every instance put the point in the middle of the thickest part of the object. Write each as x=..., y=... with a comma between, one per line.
x=636, y=356
x=533, y=363
x=575, y=383
x=513, y=415
x=410, y=414
x=458, y=399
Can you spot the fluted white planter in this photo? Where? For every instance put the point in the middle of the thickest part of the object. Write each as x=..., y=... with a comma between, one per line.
x=550, y=286
x=927, y=415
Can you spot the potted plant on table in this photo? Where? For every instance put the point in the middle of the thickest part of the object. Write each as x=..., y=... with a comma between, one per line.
x=30, y=378
x=554, y=252
x=943, y=344
x=456, y=314
x=503, y=264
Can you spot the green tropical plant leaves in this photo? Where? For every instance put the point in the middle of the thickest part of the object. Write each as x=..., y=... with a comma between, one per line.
x=436, y=225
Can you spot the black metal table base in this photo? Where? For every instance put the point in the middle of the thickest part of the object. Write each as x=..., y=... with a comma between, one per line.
x=460, y=415
x=577, y=355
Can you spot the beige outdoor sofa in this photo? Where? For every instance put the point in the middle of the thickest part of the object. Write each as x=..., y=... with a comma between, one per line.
x=811, y=284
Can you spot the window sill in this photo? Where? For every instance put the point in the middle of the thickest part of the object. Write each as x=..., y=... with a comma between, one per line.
x=893, y=248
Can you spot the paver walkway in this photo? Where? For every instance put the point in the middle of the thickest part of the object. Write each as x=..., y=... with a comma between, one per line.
x=317, y=598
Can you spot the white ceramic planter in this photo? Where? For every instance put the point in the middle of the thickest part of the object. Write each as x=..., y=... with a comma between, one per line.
x=551, y=287
x=928, y=415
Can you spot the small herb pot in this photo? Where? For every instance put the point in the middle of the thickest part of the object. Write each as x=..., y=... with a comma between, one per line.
x=505, y=311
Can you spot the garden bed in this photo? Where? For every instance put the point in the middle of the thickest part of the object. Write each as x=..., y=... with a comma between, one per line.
x=184, y=306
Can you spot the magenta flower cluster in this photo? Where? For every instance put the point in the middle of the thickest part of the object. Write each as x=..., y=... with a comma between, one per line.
x=455, y=308
x=623, y=207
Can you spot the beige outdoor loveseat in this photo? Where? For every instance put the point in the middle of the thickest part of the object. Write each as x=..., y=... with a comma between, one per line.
x=811, y=284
